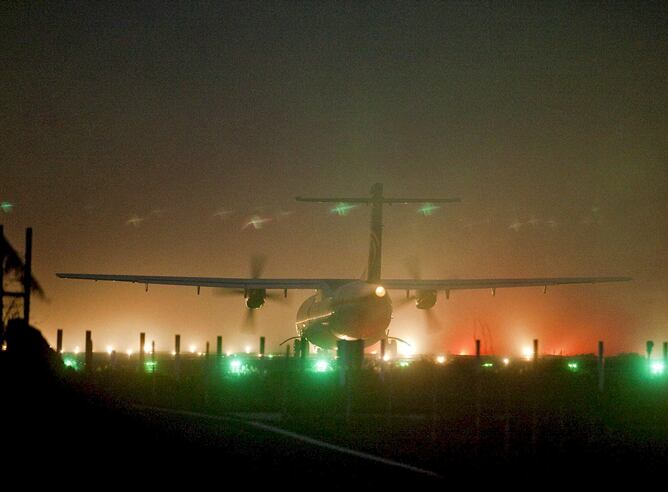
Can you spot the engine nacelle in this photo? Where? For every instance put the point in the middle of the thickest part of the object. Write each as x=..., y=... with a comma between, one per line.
x=255, y=298
x=425, y=299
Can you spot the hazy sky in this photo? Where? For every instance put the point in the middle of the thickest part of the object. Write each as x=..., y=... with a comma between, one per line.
x=129, y=130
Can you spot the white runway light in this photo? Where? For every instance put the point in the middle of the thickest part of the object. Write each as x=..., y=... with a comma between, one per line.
x=380, y=291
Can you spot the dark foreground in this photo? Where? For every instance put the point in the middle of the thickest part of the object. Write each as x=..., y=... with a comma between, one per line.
x=280, y=423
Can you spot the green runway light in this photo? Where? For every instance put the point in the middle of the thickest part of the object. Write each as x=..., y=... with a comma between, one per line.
x=404, y=363
x=656, y=368
x=428, y=209
x=72, y=363
x=322, y=366
x=573, y=366
x=342, y=208
x=488, y=364
x=236, y=366
x=149, y=366
x=6, y=207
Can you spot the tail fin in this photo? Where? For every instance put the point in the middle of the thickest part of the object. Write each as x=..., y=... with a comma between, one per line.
x=376, y=200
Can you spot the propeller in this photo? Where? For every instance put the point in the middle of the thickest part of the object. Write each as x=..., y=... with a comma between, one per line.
x=412, y=264
x=255, y=298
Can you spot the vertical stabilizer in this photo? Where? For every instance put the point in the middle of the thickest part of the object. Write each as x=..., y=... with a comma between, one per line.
x=376, y=234
x=376, y=200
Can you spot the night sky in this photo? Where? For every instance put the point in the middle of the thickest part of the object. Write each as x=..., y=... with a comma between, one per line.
x=141, y=138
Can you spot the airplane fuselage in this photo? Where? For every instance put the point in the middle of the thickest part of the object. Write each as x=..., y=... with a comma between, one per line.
x=355, y=310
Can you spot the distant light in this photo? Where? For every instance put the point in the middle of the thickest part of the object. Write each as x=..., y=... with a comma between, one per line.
x=77, y=349
x=440, y=359
x=506, y=361
x=404, y=363
x=487, y=364
x=573, y=366
x=342, y=208
x=322, y=366
x=386, y=357
x=110, y=349
x=527, y=352
x=72, y=363
x=129, y=352
x=427, y=209
x=6, y=207
x=173, y=352
x=247, y=349
x=193, y=349
x=463, y=352
x=656, y=368
x=228, y=353
x=380, y=291
x=147, y=348
x=150, y=366
x=271, y=356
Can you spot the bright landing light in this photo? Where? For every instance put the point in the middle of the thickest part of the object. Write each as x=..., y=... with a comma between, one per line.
x=527, y=352
x=380, y=291
x=440, y=359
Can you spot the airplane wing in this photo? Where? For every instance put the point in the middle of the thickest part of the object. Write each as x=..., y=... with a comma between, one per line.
x=332, y=283
x=493, y=283
x=232, y=283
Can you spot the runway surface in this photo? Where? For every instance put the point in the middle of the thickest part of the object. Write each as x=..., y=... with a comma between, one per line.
x=255, y=450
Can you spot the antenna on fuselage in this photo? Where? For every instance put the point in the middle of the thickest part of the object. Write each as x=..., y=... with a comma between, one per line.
x=376, y=200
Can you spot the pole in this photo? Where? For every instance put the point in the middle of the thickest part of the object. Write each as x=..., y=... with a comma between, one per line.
x=535, y=350
x=142, y=342
x=219, y=346
x=59, y=340
x=304, y=348
x=27, y=276
x=601, y=367
x=177, y=354
x=477, y=348
x=89, y=351
x=261, y=346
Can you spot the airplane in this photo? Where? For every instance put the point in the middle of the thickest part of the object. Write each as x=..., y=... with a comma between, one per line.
x=349, y=309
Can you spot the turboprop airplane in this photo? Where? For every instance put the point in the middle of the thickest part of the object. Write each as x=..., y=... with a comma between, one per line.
x=349, y=309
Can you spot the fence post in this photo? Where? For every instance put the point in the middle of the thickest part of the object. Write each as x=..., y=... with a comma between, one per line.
x=89, y=351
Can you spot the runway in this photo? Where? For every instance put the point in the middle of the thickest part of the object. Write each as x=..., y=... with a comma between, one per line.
x=248, y=448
